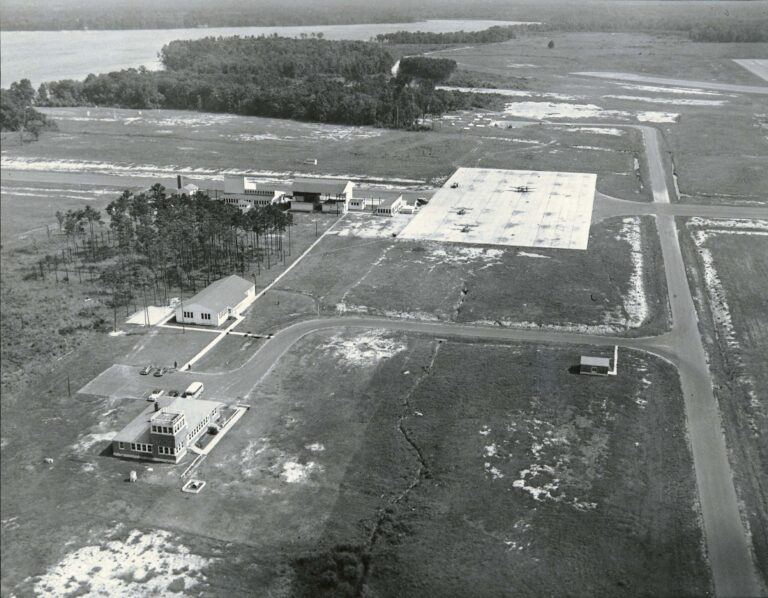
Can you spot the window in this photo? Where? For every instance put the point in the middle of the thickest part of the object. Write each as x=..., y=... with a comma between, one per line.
x=205, y=316
x=133, y=446
x=120, y=445
x=189, y=314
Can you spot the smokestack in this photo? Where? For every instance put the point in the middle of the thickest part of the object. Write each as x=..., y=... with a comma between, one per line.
x=157, y=405
x=178, y=181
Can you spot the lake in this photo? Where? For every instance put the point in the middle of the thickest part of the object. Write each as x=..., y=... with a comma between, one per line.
x=49, y=55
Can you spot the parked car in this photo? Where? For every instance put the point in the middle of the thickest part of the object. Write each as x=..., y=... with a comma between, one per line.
x=173, y=393
x=155, y=394
x=146, y=370
x=160, y=371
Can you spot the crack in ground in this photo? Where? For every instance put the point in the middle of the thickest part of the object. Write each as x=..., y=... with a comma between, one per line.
x=422, y=471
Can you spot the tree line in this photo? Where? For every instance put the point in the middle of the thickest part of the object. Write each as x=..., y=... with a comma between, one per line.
x=17, y=113
x=491, y=35
x=731, y=32
x=311, y=79
x=155, y=242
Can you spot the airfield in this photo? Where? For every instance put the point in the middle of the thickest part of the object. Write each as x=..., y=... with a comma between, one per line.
x=509, y=207
x=452, y=447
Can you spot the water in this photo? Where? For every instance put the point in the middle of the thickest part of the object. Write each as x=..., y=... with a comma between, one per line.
x=49, y=55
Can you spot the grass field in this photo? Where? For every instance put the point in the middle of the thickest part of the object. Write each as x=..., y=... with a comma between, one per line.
x=321, y=465
x=613, y=286
x=731, y=260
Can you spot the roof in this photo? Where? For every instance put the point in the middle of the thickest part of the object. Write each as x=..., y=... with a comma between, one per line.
x=322, y=186
x=223, y=293
x=194, y=410
x=604, y=362
x=256, y=184
x=387, y=203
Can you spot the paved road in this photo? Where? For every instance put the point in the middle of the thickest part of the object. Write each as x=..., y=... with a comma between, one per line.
x=727, y=542
x=759, y=89
x=608, y=207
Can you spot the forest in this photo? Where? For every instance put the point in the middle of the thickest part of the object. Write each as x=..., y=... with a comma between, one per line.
x=16, y=111
x=310, y=79
x=156, y=242
x=487, y=36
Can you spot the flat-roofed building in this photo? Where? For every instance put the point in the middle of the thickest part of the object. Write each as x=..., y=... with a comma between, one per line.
x=600, y=366
x=165, y=429
x=390, y=206
x=220, y=300
x=249, y=192
x=327, y=195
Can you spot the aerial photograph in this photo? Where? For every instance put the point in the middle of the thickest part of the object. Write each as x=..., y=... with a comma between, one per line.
x=382, y=299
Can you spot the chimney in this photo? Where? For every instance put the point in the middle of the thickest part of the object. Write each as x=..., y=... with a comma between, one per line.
x=178, y=181
x=157, y=405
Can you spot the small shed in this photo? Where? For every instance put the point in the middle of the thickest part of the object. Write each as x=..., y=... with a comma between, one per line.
x=599, y=366
x=594, y=366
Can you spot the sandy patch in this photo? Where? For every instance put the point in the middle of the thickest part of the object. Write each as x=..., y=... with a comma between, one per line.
x=529, y=254
x=364, y=349
x=635, y=301
x=675, y=101
x=144, y=564
x=673, y=90
x=154, y=314
x=88, y=440
x=544, y=110
x=369, y=226
x=516, y=93
x=297, y=473
x=456, y=254
x=658, y=117
x=613, y=131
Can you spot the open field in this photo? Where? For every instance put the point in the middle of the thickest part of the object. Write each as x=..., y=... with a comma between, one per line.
x=333, y=443
x=615, y=286
x=203, y=146
x=26, y=208
x=731, y=261
x=700, y=125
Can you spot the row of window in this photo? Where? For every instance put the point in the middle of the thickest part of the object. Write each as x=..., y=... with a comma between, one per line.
x=200, y=426
x=167, y=429
x=140, y=447
x=191, y=315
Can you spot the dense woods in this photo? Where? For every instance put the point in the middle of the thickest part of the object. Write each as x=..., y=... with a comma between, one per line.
x=311, y=79
x=487, y=36
x=16, y=111
x=155, y=243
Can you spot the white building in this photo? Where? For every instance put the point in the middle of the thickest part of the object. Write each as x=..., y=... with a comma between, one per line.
x=327, y=195
x=390, y=206
x=217, y=302
x=249, y=192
